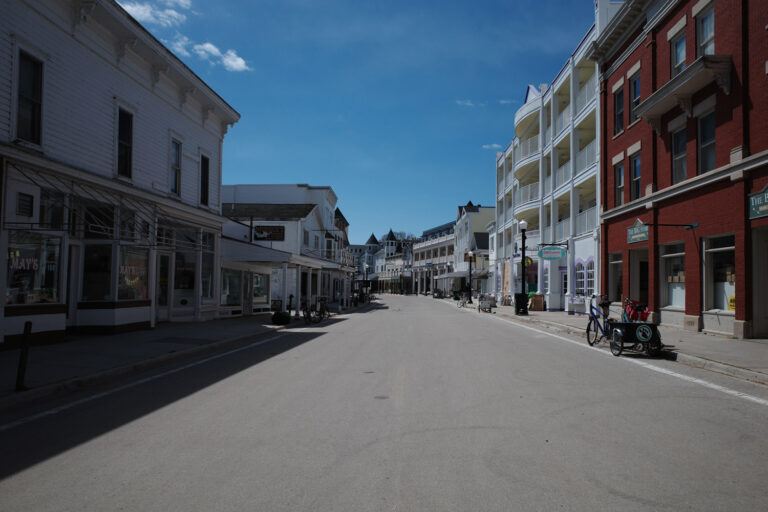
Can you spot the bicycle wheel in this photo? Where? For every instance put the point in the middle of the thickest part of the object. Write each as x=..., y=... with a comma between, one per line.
x=617, y=344
x=593, y=334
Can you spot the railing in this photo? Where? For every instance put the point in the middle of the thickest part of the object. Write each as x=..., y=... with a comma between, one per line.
x=563, y=119
x=585, y=157
x=528, y=147
x=526, y=193
x=585, y=221
x=562, y=229
x=563, y=174
x=586, y=93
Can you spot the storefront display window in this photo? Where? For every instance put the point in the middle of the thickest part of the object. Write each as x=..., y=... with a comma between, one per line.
x=590, y=278
x=579, y=290
x=231, y=287
x=673, y=274
x=720, y=280
x=260, y=288
x=132, y=276
x=206, y=272
x=97, y=272
x=33, y=268
x=184, y=279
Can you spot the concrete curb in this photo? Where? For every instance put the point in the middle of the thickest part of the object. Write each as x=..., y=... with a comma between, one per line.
x=118, y=371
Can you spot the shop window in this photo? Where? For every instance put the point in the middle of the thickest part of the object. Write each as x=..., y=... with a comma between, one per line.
x=124, y=143
x=132, y=279
x=615, y=277
x=706, y=143
x=679, y=168
x=30, y=99
x=673, y=275
x=580, y=278
x=208, y=242
x=184, y=278
x=260, y=288
x=33, y=268
x=705, y=33
x=635, y=187
x=618, y=172
x=677, y=54
x=231, y=287
x=618, y=111
x=720, y=269
x=97, y=272
x=590, y=278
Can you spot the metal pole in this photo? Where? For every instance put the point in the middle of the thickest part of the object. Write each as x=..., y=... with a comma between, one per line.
x=524, y=308
x=470, y=279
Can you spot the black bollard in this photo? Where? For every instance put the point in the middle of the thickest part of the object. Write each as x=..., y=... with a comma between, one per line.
x=23, y=356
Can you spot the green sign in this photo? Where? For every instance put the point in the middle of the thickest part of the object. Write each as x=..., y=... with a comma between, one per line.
x=637, y=232
x=551, y=253
x=758, y=204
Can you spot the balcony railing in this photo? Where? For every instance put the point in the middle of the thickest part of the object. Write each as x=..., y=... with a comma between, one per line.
x=527, y=147
x=563, y=119
x=562, y=229
x=563, y=174
x=586, y=221
x=526, y=193
x=586, y=93
x=585, y=157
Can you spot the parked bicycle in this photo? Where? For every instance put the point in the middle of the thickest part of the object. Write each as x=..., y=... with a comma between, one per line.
x=600, y=326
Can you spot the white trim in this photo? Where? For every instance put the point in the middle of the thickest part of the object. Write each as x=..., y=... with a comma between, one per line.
x=705, y=105
x=700, y=6
x=676, y=28
x=634, y=69
x=634, y=148
x=618, y=85
x=677, y=123
x=618, y=158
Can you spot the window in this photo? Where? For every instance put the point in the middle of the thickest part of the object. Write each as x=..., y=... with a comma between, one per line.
x=580, y=275
x=705, y=33
x=204, y=179
x=184, y=278
x=618, y=111
x=618, y=171
x=124, y=143
x=97, y=272
x=25, y=205
x=590, y=278
x=678, y=54
x=679, y=172
x=132, y=281
x=30, y=99
x=635, y=187
x=33, y=268
x=208, y=242
x=634, y=97
x=260, y=288
x=175, y=167
x=231, y=287
x=306, y=237
x=720, y=268
x=673, y=274
x=707, y=143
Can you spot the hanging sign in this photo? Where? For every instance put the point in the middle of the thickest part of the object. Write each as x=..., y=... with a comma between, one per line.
x=758, y=204
x=637, y=232
x=269, y=233
x=552, y=253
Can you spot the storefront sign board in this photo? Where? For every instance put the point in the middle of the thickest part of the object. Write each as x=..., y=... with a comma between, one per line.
x=552, y=253
x=269, y=233
x=637, y=232
x=758, y=204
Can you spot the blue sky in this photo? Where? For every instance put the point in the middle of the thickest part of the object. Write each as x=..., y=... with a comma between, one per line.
x=399, y=106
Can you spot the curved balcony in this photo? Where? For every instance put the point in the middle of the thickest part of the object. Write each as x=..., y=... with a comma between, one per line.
x=526, y=111
x=526, y=152
x=562, y=178
x=527, y=198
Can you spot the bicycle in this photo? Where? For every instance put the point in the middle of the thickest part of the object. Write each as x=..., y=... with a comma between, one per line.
x=595, y=330
x=462, y=301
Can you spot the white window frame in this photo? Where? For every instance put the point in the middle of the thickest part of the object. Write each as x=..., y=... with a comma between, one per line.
x=590, y=281
x=581, y=279
x=708, y=272
x=664, y=274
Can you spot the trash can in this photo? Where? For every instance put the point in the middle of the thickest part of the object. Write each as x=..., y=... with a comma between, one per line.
x=521, y=303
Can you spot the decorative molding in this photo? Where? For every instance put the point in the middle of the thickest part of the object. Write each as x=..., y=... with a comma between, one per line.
x=684, y=102
x=634, y=148
x=634, y=69
x=184, y=94
x=617, y=158
x=618, y=85
x=677, y=27
x=700, y=6
x=156, y=72
x=81, y=11
x=122, y=45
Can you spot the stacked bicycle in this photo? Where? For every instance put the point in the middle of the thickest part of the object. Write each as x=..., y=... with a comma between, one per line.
x=633, y=332
x=316, y=314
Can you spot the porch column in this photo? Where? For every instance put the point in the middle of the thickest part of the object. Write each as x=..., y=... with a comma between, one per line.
x=297, y=293
x=310, y=272
x=285, y=286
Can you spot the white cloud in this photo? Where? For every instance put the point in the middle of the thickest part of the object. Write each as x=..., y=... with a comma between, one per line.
x=229, y=59
x=184, y=4
x=180, y=45
x=491, y=146
x=147, y=13
x=506, y=102
x=465, y=103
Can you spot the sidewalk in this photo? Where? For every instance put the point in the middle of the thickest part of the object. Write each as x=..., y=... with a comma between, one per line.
x=746, y=359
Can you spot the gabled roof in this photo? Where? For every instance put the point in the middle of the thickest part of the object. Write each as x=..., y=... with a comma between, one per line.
x=390, y=236
x=372, y=240
x=340, y=217
x=267, y=211
x=530, y=93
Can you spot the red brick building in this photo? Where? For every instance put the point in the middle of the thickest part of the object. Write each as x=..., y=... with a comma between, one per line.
x=684, y=152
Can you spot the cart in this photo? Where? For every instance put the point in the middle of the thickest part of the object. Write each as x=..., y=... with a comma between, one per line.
x=635, y=336
x=485, y=303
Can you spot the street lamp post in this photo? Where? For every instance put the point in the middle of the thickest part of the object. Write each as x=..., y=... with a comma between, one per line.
x=523, y=228
x=365, y=281
x=470, y=254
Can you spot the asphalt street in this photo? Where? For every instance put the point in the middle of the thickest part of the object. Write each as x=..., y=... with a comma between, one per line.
x=413, y=405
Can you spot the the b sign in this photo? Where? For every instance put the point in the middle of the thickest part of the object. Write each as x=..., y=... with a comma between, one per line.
x=551, y=253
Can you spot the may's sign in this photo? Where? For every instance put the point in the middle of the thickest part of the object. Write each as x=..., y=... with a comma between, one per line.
x=758, y=204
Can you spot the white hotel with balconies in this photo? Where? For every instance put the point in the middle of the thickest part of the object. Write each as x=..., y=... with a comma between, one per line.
x=548, y=176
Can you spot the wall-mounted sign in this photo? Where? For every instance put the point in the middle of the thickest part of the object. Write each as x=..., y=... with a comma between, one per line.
x=466, y=257
x=758, y=204
x=637, y=232
x=269, y=233
x=552, y=253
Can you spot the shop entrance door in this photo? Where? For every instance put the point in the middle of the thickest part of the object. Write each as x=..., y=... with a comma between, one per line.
x=759, y=283
x=162, y=288
x=638, y=275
